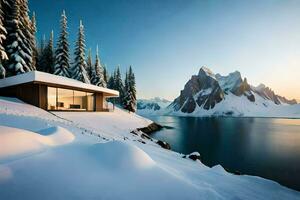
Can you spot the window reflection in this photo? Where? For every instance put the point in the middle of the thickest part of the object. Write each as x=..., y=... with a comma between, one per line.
x=65, y=99
x=90, y=101
x=51, y=98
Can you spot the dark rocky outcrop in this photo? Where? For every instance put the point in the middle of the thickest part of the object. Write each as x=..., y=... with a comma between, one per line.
x=193, y=156
x=164, y=145
x=153, y=127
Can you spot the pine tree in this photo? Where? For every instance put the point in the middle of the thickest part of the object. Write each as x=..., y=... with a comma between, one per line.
x=95, y=80
x=89, y=64
x=3, y=55
x=28, y=33
x=119, y=86
x=126, y=100
x=105, y=75
x=130, y=91
x=99, y=70
x=79, y=68
x=111, y=81
x=48, y=56
x=17, y=44
x=62, y=64
x=33, y=42
x=40, y=63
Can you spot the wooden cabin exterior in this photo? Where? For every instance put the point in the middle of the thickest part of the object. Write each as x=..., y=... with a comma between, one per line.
x=56, y=93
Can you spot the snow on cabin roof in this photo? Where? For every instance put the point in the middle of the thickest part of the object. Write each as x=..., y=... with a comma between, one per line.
x=36, y=76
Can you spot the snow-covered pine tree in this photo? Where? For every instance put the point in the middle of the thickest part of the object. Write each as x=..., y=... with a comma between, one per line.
x=28, y=33
x=62, y=64
x=79, y=68
x=129, y=101
x=89, y=64
x=118, y=83
x=99, y=70
x=131, y=90
x=95, y=80
x=3, y=55
x=126, y=99
x=105, y=74
x=33, y=42
x=40, y=63
x=16, y=45
x=111, y=81
x=48, y=56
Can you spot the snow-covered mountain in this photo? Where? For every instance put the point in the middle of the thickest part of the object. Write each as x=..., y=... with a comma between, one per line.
x=151, y=106
x=209, y=94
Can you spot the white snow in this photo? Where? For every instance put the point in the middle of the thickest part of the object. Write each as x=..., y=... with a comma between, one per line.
x=230, y=81
x=16, y=142
x=105, y=161
x=43, y=77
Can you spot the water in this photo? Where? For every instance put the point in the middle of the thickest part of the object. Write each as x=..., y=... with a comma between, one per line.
x=266, y=147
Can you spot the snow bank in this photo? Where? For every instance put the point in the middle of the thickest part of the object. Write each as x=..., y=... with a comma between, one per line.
x=16, y=143
x=118, y=154
x=116, y=124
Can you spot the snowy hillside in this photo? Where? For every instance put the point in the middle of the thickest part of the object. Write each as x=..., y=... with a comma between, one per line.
x=68, y=155
x=151, y=106
x=209, y=94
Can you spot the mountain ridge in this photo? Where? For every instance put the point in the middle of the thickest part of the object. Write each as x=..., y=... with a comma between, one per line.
x=206, y=90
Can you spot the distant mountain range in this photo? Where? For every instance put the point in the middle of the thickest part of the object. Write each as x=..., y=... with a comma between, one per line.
x=151, y=106
x=209, y=94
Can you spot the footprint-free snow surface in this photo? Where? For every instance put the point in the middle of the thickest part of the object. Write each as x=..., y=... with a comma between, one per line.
x=94, y=156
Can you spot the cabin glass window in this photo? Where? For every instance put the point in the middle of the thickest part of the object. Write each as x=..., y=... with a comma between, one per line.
x=51, y=98
x=80, y=100
x=66, y=99
x=90, y=101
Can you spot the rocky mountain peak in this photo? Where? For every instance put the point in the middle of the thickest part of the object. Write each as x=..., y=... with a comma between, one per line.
x=204, y=71
x=205, y=90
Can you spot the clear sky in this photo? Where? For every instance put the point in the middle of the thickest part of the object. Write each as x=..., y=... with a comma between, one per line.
x=167, y=41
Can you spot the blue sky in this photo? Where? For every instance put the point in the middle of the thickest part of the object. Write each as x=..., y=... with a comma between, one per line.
x=168, y=41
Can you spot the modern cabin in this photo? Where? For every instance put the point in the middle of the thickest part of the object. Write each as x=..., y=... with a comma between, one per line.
x=56, y=93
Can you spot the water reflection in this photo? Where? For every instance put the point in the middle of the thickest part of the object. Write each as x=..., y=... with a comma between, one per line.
x=259, y=146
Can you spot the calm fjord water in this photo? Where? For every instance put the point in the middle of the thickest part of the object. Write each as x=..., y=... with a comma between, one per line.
x=266, y=147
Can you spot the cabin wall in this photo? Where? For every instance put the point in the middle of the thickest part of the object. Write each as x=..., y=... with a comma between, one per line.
x=99, y=102
x=29, y=93
x=43, y=96
x=36, y=94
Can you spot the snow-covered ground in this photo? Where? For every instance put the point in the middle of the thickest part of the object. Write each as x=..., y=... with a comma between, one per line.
x=94, y=156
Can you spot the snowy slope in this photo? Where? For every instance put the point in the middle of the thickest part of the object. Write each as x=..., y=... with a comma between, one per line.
x=93, y=156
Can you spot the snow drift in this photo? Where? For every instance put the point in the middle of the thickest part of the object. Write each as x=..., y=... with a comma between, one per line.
x=16, y=142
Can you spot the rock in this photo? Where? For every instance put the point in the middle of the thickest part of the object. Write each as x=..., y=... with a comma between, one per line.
x=164, y=145
x=134, y=132
x=144, y=136
x=194, y=156
x=153, y=127
x=202, y=90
